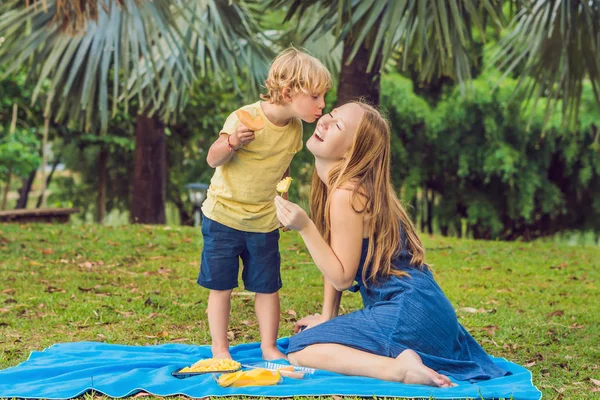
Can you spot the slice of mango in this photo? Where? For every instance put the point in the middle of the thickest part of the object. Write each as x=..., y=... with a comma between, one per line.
x=253, y=377
x=254, y=124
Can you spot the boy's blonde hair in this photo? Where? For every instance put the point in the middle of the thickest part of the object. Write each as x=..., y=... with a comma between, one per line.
x=298, y=71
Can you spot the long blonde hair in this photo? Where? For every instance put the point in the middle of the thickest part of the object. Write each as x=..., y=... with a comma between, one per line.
x=366, y=167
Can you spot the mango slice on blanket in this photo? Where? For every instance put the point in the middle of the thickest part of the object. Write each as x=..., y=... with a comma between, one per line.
x=253, y=377
x=213, y=365
x=284, y=185
x=254, y=124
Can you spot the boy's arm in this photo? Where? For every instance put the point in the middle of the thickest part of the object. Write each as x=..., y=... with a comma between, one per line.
x=219, y=152
x=226, y=145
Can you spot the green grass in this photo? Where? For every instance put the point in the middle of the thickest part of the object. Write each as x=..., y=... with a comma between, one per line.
x=538, y=303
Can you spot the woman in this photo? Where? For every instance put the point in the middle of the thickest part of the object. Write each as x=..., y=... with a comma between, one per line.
x=407, y=331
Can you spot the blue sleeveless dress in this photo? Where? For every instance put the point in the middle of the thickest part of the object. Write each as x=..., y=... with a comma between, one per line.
x=405, y=313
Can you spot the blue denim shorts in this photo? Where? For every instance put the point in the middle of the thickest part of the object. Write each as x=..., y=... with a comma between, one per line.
x=224, y=246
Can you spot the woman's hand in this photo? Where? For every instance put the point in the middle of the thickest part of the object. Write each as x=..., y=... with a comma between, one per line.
x=291, y=215
x=308, y=322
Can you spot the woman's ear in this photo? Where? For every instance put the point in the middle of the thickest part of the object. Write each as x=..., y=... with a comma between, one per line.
x=286, y=94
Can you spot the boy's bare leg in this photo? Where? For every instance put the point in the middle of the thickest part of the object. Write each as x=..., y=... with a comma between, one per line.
x=406, y=368
x=267, y=313
x=219, y=306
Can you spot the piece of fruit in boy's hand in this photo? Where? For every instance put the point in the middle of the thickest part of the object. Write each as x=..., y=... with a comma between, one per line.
x=284, y=185
x=254, y=124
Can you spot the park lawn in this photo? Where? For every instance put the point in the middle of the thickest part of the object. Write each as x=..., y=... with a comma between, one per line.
x=536, y=304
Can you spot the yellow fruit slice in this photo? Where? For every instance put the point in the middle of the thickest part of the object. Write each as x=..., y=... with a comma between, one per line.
x=284, y=185
x=254, y=124
x=253, y=377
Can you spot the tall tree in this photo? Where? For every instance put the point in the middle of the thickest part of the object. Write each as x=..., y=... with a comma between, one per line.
x=437, y=35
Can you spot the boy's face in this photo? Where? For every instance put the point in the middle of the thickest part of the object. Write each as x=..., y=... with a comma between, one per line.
x=306, y=107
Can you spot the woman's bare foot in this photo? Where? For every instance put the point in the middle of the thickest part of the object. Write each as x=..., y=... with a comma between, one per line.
x=271, y=353
x=411, y=370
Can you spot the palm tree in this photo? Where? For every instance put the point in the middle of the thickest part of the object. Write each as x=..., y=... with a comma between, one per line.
x=557, y=41
x=438, y=36
x=99, y=56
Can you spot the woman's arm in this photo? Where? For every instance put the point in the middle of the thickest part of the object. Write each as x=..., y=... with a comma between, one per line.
x=331, y=308
x=331, y=300
x=339, y=261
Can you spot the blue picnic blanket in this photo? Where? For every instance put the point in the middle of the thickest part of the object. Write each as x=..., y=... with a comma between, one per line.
x=68, y=370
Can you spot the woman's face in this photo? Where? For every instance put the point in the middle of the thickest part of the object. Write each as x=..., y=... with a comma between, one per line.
x=335, y=131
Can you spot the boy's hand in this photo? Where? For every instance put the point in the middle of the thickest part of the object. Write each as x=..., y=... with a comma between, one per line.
x=291, y=215
x=241, y=137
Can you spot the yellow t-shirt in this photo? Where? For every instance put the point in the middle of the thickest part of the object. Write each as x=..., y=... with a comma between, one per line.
x=242, y=191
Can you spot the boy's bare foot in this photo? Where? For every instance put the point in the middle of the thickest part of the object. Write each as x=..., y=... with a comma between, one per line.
x=221, y=354
x=271, y=353
x=411, y=370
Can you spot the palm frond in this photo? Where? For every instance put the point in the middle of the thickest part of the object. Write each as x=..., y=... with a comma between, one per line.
x=557, y=44
x=149, y=51
x=76, y=68
x=437, y=34
x=222, y=40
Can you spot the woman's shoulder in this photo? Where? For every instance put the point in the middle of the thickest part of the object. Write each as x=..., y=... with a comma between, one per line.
x=352, y=194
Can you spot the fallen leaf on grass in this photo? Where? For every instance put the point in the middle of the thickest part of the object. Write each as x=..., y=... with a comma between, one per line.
x=475, y=310
x=595, y=381
x=8, y=291
x=141, y=394
x=230, y=335
x=490, y=329
x=556, y=313
x=126, y=313
x=179, y=340
x=530, y=364
x=559, y=266
x=4, y=310
x=47, y=251
x=52, y=289
x=292, y=313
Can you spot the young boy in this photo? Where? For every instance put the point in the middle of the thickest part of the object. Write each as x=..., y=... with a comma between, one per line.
x=239, y=214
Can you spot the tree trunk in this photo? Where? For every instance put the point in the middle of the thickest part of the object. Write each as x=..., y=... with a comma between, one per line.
x=430, y=201
x=6, y=190
x=423, y=209
x=355, y=82
x=103, y=179
x=150, y=172
x=25, y=190
x=49, y=179
x=42, y=199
